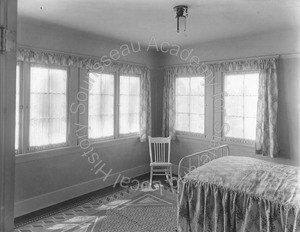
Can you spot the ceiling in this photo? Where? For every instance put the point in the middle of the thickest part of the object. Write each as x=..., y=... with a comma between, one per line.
x=139, y=20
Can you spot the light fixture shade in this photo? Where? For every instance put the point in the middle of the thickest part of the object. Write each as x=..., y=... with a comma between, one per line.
x=181, y=24
x=181, y=14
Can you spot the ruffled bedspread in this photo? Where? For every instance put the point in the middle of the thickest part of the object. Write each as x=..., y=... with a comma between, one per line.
x=240, y=194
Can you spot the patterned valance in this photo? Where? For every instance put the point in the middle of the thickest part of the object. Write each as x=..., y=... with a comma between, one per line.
x=227, y=66
x=248, y=65
x=191, y=70
x=53, y=58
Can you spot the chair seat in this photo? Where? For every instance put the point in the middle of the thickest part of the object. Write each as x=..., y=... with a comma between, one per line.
x=160, y=164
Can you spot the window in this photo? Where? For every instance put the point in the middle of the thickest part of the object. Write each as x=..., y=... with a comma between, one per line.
x=190, y=104
x=17, y=121
x=129, y=122
x=240, y=105
x=48, y=106
x=101, y=106
x=44, y=119
x=102, y=120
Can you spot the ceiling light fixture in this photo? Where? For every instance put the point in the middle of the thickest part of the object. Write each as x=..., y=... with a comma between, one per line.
x=181, y=14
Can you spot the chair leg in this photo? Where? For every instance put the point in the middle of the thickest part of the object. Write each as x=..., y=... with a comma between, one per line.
x=171, y=180
x=167, y=174
x=151, y=176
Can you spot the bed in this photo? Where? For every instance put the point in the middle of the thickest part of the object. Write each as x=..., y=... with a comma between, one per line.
x=236, y=194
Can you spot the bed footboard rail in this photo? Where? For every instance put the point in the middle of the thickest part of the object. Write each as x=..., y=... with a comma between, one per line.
x=200, y=158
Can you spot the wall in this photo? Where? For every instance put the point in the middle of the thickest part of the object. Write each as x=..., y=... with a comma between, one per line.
x=57, y=38
x=263, y=44
x=45, y=178
x=289, y=107
x=284, y=43
x=156, y=100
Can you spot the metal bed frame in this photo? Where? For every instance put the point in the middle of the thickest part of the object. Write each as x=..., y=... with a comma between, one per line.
x=201, y=158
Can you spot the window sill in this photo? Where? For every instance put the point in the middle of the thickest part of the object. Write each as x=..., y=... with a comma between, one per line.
x=194, y=139
x=240, y=146
x=45, y=154
x=190, y=135
x=244, y=147
x=114, y=142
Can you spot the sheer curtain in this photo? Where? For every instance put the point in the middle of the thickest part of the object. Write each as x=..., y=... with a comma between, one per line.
x=129, y=104
x=101, y=106
x=48, y=106
x=266, y=127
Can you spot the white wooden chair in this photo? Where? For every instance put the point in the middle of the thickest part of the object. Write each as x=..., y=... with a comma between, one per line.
x=160, y=165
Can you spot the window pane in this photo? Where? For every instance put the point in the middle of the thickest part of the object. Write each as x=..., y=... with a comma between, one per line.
x=182, y=104
x=182, y=122
x=233, y=105
x=94, y=104
x=236, y=127
x=251, y=84
x=182, y=86
x=48, y=106
x=94, y=131
x=124, y=104
x=124, y=123
x=17, y=121
x=134, y=85
x=107, y=105
x=107, y=85
x=190, y=104
x=250, y=128
x=106, y=125
x=129, y=105
x=129, y=123
x=250, y=107
x=101, y=106
x=234, y=84
x=197, y=125
x=95, y=82
x=124, y=82
x=197, y=84
x=58, y=83
x=197, y=104
x=134, y=107
x=58, y=104
x=240, y=104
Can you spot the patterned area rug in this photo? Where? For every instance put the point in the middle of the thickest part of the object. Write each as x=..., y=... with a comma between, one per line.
x=129, y=210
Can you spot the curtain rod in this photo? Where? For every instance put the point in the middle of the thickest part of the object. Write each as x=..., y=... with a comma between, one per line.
x=80, y=55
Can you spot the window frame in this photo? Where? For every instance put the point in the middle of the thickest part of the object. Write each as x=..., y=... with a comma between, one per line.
x=187, y=133
x=227, y=138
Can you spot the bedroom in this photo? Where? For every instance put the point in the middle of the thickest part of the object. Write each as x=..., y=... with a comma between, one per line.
x=228, y=31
